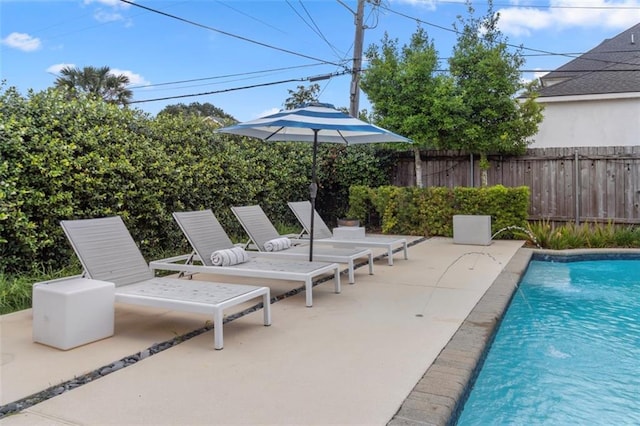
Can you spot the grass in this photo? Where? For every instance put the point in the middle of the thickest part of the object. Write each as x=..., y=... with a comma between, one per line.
x=15, y=290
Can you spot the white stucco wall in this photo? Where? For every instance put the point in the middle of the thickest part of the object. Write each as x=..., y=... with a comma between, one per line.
x=596, y=120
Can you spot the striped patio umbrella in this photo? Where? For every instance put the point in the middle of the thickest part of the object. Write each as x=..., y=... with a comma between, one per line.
x=314, y=123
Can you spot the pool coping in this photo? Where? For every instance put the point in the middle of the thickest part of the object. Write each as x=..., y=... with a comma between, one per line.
x=440, y=394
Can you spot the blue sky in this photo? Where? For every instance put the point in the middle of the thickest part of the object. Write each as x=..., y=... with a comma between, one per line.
x=235, y=54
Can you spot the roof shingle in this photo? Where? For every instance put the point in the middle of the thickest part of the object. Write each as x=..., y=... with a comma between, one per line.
x=611, y=67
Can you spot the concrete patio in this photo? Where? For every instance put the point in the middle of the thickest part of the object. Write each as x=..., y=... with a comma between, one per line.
x=353, y=358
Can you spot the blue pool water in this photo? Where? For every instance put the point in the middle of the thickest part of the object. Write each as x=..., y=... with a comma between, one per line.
x=567, y=351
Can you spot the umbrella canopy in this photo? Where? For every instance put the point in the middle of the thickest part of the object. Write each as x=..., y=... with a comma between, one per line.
x=313, y=123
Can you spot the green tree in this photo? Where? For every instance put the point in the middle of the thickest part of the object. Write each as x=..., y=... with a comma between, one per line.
x=206, y=110
x=408, y=94
x=94, y=81
x=302, y=96
x=487, y=80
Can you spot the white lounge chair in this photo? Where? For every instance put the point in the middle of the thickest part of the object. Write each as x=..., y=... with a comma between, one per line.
x=206, y=236
x=323, y=235
x=261, y=231
x=108, y=253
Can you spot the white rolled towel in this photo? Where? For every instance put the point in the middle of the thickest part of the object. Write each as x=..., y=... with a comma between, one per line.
x=229, y=257
x=277, y=244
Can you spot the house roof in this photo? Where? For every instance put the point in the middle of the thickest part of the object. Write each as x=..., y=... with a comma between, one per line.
x=611, y=67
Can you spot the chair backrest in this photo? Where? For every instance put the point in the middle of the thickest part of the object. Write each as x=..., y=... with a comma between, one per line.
x=204, y=232
x=302, y=210
x=107, y=250
x=256, y=224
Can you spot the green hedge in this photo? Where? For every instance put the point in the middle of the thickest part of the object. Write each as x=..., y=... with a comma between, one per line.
x=429, y=211
x=79, y=158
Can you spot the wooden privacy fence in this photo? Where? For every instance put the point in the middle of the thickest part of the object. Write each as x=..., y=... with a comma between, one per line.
x=584, y=184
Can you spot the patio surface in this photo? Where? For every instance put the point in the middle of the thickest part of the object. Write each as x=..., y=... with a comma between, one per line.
x=353, y=358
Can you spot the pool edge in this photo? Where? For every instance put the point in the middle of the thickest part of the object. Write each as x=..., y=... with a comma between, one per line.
x=443, y=388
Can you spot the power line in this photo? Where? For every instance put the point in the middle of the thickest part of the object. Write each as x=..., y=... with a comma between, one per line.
x=541, y=53
x=249, y=16
x=259, y=43
x=218, y=91
x=193, y=80
x=548, y=6
x=315, y=28
x=233, y=89
x=508, y=44
x=577, y=55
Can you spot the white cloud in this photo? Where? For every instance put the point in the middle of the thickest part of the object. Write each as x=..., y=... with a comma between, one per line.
x=111, y=3
x=110, y=12
x=22, y=41
x=431, y=4
x=56, y=68
x=103, y=16
x=134, y=79
x=267, y=112
x=539, y=74
x=565, y=14
x=522, y=21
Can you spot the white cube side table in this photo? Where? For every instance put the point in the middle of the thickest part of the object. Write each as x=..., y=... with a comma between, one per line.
x=348, y=232
x=472, y=229
x=72, y=312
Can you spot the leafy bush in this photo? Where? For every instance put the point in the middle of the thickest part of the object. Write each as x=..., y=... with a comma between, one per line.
x=80, y=158
x=430, y=211
x=340, y=167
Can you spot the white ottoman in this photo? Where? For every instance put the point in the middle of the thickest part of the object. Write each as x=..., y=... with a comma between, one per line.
x=72, y=312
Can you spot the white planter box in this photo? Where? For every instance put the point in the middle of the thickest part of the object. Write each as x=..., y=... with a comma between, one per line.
x=72, y=312
x=472, y=229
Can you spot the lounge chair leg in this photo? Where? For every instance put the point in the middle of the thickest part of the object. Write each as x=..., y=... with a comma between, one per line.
x=266, y=307
x=406, y=255
x=308, y=285
x=352, y=278
x=370, y=263
x=336, y=280
x=217, y=329
x=390, y=255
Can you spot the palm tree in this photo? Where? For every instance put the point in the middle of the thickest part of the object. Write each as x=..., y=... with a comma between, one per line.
x=96, y=81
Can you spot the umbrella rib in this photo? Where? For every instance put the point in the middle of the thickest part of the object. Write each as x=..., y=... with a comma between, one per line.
x=346, y=142
x=274, y=133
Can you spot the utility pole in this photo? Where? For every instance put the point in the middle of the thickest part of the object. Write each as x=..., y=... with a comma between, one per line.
x=354, y=98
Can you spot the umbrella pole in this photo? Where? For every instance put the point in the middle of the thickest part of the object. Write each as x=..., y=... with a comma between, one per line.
x=313, y=191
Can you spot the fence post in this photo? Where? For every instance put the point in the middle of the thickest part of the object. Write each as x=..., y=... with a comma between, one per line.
x=578, y=190
x=472, y=171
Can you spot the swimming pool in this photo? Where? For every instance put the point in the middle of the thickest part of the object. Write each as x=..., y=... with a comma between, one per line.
x=567, y=350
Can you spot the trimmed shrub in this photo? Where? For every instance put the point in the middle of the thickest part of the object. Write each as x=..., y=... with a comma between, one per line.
x=430, y=211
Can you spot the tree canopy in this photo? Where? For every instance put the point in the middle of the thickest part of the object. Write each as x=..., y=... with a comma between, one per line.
x=302, y=96
x=475, y=108
x=206, y=110
x=488, y=80
x=95, y=82
x=408, y=94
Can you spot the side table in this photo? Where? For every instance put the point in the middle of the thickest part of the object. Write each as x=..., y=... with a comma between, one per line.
x=72, y=311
